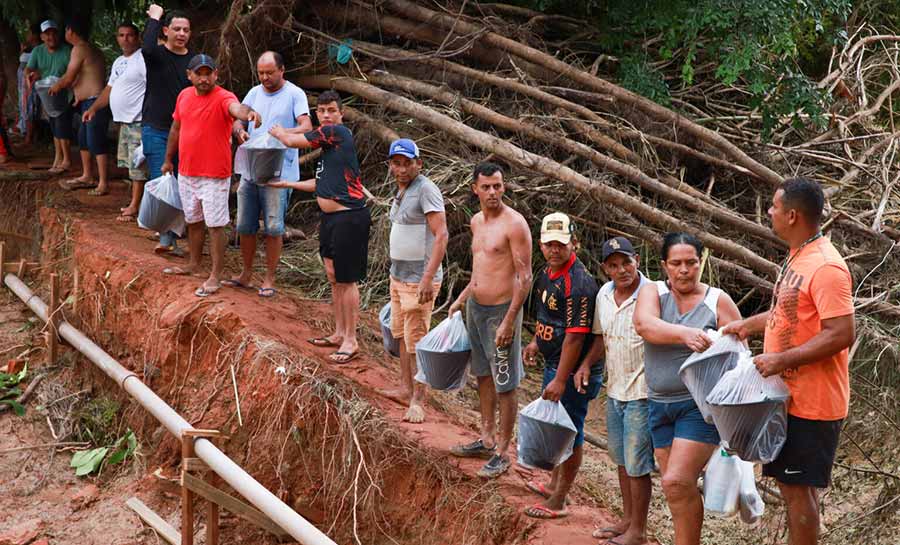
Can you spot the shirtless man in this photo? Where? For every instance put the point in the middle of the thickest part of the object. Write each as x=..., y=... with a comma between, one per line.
x=499, y=285
x=86, y=76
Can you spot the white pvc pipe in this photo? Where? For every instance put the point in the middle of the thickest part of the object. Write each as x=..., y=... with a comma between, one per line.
x=285, y=517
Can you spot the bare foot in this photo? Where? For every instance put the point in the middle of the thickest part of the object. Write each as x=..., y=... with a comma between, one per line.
x=130, y=211
x=400, y=396
x=610, y=532
x=631, y=539
x=414, y=415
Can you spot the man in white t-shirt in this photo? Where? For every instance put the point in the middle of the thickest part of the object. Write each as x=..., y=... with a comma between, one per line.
x=124, y=94
x=279, y=102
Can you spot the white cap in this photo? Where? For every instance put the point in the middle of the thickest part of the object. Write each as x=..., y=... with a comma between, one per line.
x=556, y=227
x=48, y=24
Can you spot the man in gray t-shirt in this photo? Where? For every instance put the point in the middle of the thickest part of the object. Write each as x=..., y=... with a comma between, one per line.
x=418, y=243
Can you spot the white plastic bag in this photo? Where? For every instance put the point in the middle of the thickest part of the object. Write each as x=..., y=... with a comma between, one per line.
x=391, y=345
x=161, y=206
x=137, y=158
x=260, y=158
x=56, y=104
x=546, y=434
x=750, y=502
x=442, y=355
x=750, y=412
x=702, y=370
x=722, y=484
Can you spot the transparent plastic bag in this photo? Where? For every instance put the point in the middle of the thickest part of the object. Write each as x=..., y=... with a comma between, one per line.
x=56, y=104
x=722, y=484
x=137, y=158
x=161, y=206
x=260, y=158
x=749, y=501
x=702, y=370
x=391, y=345
x=442, y=355
x=546, y=434
x=750, y=412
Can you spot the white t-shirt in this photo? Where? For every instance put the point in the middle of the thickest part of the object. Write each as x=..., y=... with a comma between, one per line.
x=128, y=80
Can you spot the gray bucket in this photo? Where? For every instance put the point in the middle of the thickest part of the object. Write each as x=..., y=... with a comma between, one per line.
x=755, y=432
x=54, y=105
x=701, y=375
x=541, y=444
x=443, y=370
x=156, y=215
x=264, y=164
x=391, y=345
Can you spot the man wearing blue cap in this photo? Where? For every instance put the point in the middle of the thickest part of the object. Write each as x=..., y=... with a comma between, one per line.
x=418, y=243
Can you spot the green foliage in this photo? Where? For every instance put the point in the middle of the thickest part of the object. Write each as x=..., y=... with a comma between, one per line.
x=97, y=421
x=10, y=391
x=636, y=74
x=86, y=462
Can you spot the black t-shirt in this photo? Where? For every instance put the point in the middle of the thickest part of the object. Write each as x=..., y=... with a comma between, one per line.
x=166, y=77
x=337, y=176
x=564, y=303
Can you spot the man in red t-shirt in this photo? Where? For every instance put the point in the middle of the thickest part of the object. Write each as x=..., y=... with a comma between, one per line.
x=201, y=135
x=808, y=332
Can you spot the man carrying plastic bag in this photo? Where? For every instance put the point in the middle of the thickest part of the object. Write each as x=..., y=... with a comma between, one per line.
x=808, y=332
x=564, y=296
x=443, y=355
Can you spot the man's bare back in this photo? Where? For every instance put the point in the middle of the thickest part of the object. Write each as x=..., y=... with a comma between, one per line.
x=493, y=266
x=91, y=78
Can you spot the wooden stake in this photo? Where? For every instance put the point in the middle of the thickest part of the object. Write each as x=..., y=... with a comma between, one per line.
x=52, y=334
x=76, y=293
x=2, y=259
x=187, y=497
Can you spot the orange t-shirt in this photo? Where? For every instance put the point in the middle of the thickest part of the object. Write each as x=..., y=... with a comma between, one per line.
x=816, y=286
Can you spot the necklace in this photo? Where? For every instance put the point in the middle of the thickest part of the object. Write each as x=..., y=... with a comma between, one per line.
x=786, y=264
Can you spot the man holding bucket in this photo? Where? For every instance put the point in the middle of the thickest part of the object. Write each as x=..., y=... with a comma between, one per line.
x=565, y=294
x=808, y=332
x=283, y=103
x=418, y=243
x=51, y=58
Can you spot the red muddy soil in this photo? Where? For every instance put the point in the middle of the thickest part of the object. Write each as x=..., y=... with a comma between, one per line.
x=155, y=325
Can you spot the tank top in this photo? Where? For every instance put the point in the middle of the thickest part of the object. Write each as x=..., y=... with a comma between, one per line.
x=662, y=361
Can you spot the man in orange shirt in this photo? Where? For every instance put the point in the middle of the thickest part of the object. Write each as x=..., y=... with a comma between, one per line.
x=808, y=331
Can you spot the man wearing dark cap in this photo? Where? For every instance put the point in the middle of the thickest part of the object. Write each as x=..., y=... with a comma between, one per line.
x=564, y=293
x=201, y=134
x=626, y=392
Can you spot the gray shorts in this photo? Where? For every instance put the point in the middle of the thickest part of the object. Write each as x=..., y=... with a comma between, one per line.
x=505, y=364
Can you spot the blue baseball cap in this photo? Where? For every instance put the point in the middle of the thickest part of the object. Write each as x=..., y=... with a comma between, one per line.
x=404, y=147
x=201, y=60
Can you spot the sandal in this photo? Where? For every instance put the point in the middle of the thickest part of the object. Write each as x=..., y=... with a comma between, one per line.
x=176, y=271
x=538, y=488
x=538, y=511
x=605, y=533
x=236, y=283
x=205, y=291
x=267, y=292
x=97, y=193
x=323, y=342
x=343, y=357
x=74, y=183
x=126, y=218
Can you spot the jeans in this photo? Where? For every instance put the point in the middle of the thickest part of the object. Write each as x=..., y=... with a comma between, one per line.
x=253, y=199
x=628, y=432
x=154, y=143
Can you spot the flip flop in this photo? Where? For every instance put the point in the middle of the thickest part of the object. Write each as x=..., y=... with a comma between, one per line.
x=125, y=218
x=347, y=357
x=97, y=193
x=204, y=291
x=162, y=249
x=612, y=541
x=538, y=488
x=600, y=533
x=176, y=271
x=323, y=342
x=538, y=511
x=74, y=183
x=267, y=292
x=236, y=283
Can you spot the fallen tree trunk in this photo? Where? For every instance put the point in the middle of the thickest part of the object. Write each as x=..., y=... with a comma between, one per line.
x=628, y=171
x=425, y=15
x=545, y=166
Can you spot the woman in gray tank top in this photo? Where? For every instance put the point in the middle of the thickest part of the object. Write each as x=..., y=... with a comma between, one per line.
x=672, y=317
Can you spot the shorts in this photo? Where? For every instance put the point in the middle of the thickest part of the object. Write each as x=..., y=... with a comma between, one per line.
x=204, y=199
x=681, y=419
x=61, y=125
x=344, y=239
x=129, y=141
x=410, y=321
x=628, y=435
x=574, y=402
x=503, y=364
x=808, y=454
x=92, y=135
x=253, y=199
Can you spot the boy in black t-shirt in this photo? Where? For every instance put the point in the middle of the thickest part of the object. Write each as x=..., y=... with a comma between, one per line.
x=564, y=298
x=345, y=221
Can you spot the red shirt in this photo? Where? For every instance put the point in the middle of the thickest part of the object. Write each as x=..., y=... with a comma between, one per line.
x=204, y=142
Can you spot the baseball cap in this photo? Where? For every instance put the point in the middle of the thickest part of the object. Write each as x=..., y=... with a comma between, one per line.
x=404, y=147
x=556, y=227
x=617, y=245
x=200, y=61
x=47, y=25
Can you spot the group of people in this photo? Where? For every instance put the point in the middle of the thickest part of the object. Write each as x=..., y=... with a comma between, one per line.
x=167, y=101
